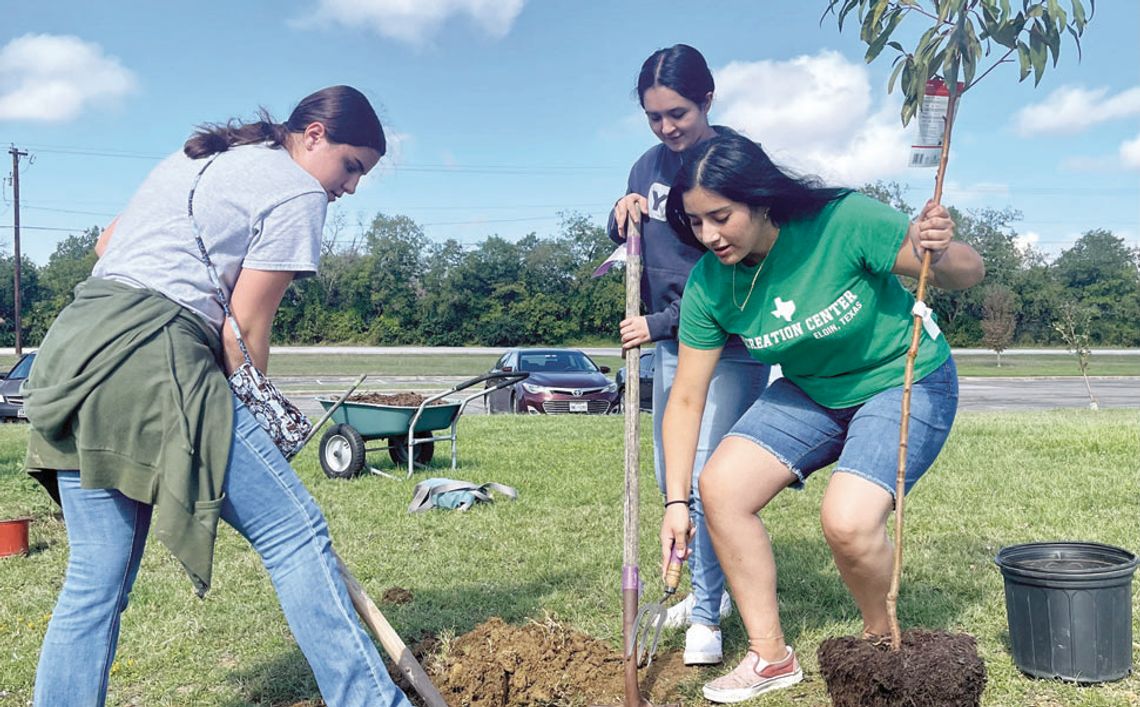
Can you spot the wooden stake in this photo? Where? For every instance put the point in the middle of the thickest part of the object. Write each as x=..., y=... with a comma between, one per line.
x=632, y=410
x=908, y=381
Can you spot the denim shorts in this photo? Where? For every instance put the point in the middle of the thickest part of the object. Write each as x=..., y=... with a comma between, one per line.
x=864, y=438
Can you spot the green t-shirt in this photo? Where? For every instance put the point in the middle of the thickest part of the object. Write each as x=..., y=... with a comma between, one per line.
x=826, y=306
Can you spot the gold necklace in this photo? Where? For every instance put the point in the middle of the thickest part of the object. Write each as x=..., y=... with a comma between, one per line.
x=751, y=287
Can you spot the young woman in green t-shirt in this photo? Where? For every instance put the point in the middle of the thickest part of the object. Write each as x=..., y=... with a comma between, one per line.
x=805, y=275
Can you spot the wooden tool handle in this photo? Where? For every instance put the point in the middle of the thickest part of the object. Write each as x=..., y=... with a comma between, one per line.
x=390, y=640
x=673, y=573
x=631, y=506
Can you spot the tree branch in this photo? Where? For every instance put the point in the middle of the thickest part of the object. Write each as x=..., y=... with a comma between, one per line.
x=922, y=11
x=1002, y=60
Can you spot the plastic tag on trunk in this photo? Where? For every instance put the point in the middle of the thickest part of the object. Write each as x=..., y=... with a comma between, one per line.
x=927, y=150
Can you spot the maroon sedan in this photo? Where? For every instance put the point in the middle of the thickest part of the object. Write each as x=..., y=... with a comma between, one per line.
x=560, y=381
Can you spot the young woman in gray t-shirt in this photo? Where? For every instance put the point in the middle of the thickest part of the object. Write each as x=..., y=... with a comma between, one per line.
x=132, y=380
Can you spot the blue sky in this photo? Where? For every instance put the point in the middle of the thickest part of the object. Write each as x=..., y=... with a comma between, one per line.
x=505, y=112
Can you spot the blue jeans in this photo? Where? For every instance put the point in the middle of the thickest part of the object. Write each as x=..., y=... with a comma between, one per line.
x=267, y=504
x=737, y=382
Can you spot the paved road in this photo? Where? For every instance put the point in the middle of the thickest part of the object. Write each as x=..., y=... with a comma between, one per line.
x=592, y=351
x=975, y=393
x=1043, y=393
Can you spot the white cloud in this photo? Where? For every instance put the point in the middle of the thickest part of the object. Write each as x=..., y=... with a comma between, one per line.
x=1071, y=109
x=1090, y=163
x=814, y=114
x=55, y=77
x=976, y=194
x=1130, y=153
x=1027, y=241
x=412, y=21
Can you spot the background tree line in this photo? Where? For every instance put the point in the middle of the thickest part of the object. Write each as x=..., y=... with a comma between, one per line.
x=386, y=283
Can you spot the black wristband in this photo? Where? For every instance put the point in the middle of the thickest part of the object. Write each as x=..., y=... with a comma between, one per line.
x=669, y=503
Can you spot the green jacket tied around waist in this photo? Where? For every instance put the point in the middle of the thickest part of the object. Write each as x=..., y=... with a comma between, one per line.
x=127, y=388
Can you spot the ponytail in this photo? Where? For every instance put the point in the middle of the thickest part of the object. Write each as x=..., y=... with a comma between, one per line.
x=347, y=115
x=212, y=138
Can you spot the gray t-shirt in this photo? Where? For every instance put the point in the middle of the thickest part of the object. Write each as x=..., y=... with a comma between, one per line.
x=255, y=206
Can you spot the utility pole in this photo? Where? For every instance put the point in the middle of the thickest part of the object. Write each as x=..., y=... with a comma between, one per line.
x=16, y=155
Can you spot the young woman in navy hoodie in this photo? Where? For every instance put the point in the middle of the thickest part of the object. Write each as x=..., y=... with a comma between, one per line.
x=675, y=88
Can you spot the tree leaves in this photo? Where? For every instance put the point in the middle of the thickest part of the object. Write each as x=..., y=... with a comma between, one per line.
x=959, y=38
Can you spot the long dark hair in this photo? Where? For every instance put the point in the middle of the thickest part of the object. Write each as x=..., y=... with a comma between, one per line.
x=679, y=67
x=739, y=170
x=347, y=115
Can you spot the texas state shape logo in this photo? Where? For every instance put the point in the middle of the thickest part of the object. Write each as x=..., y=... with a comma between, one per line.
x=784, y=310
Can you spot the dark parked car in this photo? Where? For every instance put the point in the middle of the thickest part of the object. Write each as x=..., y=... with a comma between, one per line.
x=560, y=381
x=11, y=399
x=645, y=387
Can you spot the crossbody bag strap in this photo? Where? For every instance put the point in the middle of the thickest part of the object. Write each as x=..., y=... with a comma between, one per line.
x=219, y=291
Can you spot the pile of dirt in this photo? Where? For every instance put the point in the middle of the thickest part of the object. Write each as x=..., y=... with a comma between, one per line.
x=931, y=669
x=542, y=664
x=411, y=400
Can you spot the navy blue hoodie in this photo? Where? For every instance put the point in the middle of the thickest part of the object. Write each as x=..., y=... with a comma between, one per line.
x=666, y=259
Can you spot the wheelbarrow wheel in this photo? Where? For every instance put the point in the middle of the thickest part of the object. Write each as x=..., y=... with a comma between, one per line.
x=342, y=452
x=398, y=449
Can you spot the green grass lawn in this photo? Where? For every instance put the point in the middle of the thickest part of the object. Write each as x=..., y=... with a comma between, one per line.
x=557, y=552
x=1045, y=365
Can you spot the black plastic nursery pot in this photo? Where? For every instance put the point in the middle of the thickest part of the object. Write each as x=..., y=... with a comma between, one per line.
x=1069, y=606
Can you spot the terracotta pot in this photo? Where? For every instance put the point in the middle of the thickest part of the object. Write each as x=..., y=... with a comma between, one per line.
x=14, y=536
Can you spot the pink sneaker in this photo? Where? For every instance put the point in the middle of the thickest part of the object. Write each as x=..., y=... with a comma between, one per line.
x=753, y=677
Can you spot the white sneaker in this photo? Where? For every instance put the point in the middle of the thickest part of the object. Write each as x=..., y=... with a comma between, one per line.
x=703, y=645
x=678, y=614
x=681, y=613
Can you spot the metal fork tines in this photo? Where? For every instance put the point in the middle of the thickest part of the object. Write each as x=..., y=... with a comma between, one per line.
x=647, y=632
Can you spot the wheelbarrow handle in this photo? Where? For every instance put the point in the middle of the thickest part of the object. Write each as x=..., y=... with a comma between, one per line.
x=505, y=378
x=328, y=414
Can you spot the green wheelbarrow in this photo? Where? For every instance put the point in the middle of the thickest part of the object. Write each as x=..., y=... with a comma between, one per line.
x=409, y=432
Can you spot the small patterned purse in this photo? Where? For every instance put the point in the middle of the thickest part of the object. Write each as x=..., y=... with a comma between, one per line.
x=285, y=423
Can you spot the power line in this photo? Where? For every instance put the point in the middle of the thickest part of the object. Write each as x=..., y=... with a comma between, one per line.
x=1010, y=192
x=485, y=207
x=522, y=169
x=95, y=152
x=46, y=228
x=412, y=167
x=498, y=220
x=69, y=211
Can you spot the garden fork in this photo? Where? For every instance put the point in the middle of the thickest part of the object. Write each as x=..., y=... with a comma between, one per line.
x=651, y=618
